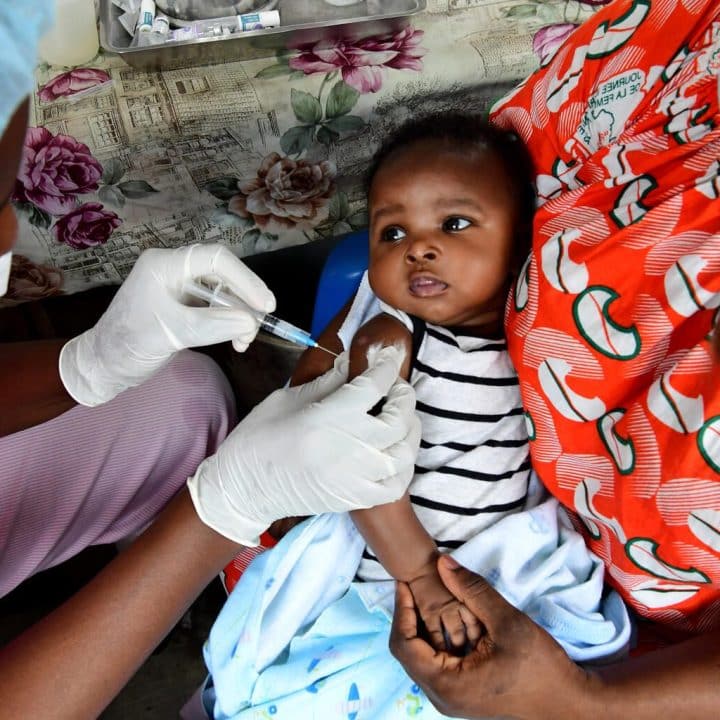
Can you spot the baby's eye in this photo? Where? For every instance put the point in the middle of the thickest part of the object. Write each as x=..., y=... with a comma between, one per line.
x=392, y=234
x=455, y=224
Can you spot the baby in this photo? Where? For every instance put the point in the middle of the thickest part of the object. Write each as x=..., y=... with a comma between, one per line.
x=451, y=203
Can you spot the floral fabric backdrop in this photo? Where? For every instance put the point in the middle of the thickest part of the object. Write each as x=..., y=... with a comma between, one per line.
x=259, y=154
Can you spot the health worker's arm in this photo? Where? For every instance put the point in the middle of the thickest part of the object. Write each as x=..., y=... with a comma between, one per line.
x=303, y=450
x=518, y=670
x=30, y=384
x=72, y=663
x=148, y=320
x=151, y=317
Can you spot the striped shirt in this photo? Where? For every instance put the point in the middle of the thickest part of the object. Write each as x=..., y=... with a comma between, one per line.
x=473, y=467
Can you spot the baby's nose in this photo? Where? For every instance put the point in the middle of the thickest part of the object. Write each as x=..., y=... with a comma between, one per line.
x=421, y=249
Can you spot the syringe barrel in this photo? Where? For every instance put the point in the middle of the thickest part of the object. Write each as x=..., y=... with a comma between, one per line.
x=285, y=330
x=218, y=298
x=269, y=323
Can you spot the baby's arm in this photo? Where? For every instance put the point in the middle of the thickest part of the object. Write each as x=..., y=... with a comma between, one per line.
x=312, y=364
x=408, y=553
x=400, y=542
x=315, y=362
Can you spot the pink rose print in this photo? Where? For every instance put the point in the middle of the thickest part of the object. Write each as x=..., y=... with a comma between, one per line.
x=286, y=194
x=548, y=39
x=55, y=169
x=362, y=63
x=71, y=82
x=29, y=281
x=86, y=226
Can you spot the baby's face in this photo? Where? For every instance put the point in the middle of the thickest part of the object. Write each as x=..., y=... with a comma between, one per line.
x=441, y=235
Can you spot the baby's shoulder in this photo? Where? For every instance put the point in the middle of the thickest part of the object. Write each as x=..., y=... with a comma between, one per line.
x=382, y=330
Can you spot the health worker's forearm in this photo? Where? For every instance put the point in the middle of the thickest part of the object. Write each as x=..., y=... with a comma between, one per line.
x=71, y=664
x=30, y=384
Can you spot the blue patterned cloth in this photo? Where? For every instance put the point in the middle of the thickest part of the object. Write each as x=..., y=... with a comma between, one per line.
x=298, y=638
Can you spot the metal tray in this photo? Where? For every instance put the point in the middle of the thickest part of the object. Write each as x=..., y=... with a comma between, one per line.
x=303, y=21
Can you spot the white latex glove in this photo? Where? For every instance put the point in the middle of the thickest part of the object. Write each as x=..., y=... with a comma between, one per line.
x=311, y=449
x=147, y=321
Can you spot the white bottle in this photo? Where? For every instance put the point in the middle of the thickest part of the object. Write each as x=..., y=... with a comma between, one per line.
x=73, y=39
x=147, y=16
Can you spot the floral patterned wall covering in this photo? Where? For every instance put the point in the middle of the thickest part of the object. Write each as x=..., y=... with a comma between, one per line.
x=258, y=154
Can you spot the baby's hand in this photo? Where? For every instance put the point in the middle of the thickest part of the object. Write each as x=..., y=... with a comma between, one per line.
x=450, y=625
x=282, y=527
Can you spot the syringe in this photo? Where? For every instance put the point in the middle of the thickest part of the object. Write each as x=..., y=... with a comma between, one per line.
x=269, y=323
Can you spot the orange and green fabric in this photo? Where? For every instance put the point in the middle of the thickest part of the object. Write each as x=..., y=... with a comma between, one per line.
x=610, y=321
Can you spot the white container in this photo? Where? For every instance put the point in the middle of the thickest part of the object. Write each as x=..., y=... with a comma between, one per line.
x=259, y=20
x=147, y=16
x=73, y=39
x=161, y=24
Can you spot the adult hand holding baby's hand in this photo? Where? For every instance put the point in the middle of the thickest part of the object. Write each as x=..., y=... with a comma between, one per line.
x=515, y=669
x=147, y=321
x=449, y=624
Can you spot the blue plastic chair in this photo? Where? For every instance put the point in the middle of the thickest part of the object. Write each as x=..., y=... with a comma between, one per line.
x=340, y=278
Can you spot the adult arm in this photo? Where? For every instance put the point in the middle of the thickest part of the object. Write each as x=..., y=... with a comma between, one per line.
x=312, y=449
x=30, y=384
x=73, y=662
x=147, y=321
x=518, y=670
x=152, y=316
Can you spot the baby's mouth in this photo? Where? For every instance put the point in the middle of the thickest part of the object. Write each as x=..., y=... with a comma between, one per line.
x=427, y=286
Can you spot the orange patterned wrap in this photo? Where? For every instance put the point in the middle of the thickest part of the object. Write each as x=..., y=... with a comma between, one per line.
x=609, y=323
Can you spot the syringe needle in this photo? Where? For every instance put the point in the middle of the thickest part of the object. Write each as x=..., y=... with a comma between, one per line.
x=320, y=347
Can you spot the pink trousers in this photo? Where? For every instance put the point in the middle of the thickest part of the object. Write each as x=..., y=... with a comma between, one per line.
x=97, y=475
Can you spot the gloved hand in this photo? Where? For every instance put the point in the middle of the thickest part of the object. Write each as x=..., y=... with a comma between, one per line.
x=311, y=449
x=147, y=321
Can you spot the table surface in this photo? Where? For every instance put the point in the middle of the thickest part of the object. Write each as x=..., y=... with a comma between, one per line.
x=259, y=154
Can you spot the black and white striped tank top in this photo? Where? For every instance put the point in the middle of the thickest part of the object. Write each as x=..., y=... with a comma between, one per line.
x=473, y=467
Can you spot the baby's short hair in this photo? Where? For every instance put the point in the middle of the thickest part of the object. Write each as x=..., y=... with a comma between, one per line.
x=458, y=131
